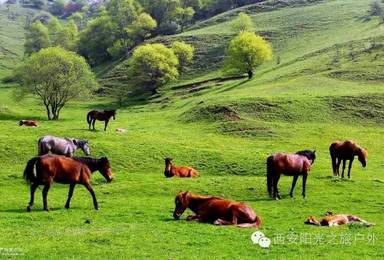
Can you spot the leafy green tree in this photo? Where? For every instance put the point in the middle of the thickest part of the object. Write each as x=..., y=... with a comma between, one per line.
x=184, y=53
x=96, y=38
x=67, y=37
x=246, y=52
x=39, y=3
x=54, y=28
x=141, y=28
x=55, y=76
x=243, y=23
x=37, y=38
x=153, y=65
x=58, y=7
x=184, y=15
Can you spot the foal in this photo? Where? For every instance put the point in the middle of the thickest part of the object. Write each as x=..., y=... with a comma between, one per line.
x=331, y=219
x=31, y=123
x=215, y=210
x=66, y=170
x=344, y=151
x=182, y=171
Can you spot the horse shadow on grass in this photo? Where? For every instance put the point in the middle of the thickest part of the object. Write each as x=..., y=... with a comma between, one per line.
x=24, y=210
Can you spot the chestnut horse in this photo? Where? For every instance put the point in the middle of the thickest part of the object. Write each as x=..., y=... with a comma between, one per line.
x=61, y=169
x=181, y=171
x=343, y=151
x=331, y=219
x=105, y=115
x=215, y=210
x=31, y=123
x=298, y=164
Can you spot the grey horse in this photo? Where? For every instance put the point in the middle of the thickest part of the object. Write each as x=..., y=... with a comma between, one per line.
x=62, y=146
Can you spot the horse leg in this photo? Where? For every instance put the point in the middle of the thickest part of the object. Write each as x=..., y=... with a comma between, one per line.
x=334, y=162
x=106, y=124
x=338, y=166
x=276, y=194
x=93, y=123
x=349, y=168
x=45, y=195
x=70, y=193
x=31, y=201
x=89, y=188
x=220, y=221
x=305, y=175
x=342, y=173
x=293, y=184
x=193, y=217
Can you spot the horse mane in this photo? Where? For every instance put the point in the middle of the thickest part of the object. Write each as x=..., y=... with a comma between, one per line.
x=92, y=163
x=307, y=153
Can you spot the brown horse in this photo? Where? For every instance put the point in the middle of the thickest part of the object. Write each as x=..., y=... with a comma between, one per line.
x=343, y=151
x=298, y=164
x=215, y=210
x=181, y=171
x=331, y=220
x=61, y=169
x=105, y=115
x=31, y=123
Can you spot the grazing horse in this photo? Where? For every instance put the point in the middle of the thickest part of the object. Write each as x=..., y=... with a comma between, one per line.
x=61, y=146
x=182, y=171
x=343, y=151
x=215, y=210
x=31, y=123
x=331, y=219
x=105, y=115
x=61, y=169
x=291, y=165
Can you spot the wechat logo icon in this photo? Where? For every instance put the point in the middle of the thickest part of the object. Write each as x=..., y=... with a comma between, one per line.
x=260, y=239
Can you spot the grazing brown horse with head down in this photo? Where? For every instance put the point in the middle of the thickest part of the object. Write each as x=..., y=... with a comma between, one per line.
x=105, y=115
x=61, y=169
x=32, y=123
x=215, y=210
x=288, y=164
x=343, y=151
x=182, y=171
x=331, y=220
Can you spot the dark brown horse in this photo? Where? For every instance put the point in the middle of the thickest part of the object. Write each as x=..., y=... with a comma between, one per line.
x=298, y=164
x=61, y=169
x=215, y=210
x=31, y=123
x=343, y=151
x=105, y=115
x=178, y=171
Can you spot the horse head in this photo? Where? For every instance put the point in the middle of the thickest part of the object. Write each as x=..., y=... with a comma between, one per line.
x=362, y=156
x=83, y=145
x=181, y=204
x=113, y=113
x=21, y=122
x=312, y=221
x=105, y=169
x=168, y=164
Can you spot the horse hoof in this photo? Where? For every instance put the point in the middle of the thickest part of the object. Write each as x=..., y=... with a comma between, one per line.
x=29, y=208
x=46, y=209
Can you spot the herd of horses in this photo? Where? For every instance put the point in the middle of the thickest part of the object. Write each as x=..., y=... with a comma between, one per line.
x=56, y=163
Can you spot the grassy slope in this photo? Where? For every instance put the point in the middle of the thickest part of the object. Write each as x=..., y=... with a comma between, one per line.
x=305, y=102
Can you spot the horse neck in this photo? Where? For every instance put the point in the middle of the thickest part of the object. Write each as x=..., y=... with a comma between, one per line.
x=93, y=164
x=195, y=201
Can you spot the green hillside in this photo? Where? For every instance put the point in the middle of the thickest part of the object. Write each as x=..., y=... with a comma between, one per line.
x=325, y=83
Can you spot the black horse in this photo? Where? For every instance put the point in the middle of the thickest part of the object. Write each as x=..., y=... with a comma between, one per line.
x=105, y=115
x=288, y=164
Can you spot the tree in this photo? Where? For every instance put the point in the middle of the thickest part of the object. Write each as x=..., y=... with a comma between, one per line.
x=58, y=7
x=54, y=28
x=376, y=9
x=153, y=65
x=243, y=23
x=36, y=38
x=184, y=53
x=67, y=36
x=38, y=3
x=141, y=28
x=55, y=76
x=246, y=52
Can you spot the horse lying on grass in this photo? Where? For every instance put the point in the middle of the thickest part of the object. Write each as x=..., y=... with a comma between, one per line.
x=298, y=164
x=215, y=210
x=344, y=151
x=61, y=146
x=331, y=220
x=31, y=123
x=66, y=170
x=179, y=171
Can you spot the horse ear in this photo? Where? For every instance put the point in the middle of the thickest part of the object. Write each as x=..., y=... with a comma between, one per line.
x=314, y=151
x=74, y=141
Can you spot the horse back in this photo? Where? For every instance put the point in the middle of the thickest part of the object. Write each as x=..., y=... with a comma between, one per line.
x=347, y=149
x=290, y=164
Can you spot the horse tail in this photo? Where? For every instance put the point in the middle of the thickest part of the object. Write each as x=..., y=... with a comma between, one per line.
x=89, y=116
x=270, y=174
x=332, y=148
x=28, y=175
x=256, y=223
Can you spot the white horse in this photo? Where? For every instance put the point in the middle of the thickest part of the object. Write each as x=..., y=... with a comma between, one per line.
x=62, y=146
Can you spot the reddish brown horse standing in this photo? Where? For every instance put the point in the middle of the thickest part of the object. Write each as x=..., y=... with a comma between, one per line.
x=179, y=171
x=66, y=170
x=31, y=123
x=298, y=164
x=215, y=210
x=344, y=151
x=105, y=116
